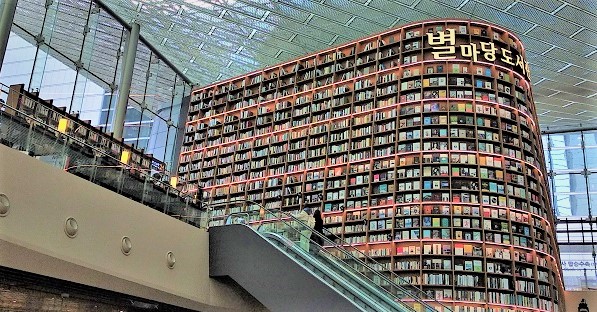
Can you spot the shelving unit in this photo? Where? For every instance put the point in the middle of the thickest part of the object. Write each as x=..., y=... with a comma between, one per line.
x=432, y=166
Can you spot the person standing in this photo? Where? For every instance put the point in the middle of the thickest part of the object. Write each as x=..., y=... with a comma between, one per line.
x=318, y=228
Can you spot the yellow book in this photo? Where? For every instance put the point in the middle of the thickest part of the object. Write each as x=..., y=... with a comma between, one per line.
x=435, y=222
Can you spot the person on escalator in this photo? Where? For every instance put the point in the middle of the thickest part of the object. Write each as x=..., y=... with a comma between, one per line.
x=318, y=228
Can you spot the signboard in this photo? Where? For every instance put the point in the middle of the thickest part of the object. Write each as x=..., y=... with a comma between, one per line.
x=444, y=48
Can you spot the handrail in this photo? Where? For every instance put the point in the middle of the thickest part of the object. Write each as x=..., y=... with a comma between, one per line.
x=393, y=299
x=99, y=151
x=341, y=247
x=229, y=217
x=24, y=119
x=332, y=274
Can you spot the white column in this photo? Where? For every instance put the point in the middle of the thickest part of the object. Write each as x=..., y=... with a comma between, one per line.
x=125, y=81
x=7, y=14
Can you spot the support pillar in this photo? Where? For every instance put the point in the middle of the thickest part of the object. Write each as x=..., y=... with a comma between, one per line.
x=126, y=77
x=7, y=14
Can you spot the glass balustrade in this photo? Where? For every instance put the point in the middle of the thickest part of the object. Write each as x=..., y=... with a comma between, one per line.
x=342, y=257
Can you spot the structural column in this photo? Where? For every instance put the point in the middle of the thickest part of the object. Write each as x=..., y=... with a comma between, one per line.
x=7, y=13
x=125, y=80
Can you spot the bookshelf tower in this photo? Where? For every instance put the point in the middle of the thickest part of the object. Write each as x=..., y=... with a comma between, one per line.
x=420, y=145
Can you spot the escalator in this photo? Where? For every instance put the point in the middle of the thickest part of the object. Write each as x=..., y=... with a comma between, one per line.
x=276, y=277
x=269, y=253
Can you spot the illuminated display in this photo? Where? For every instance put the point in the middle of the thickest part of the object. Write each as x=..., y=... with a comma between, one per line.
x=444, y=49
x=420, y=145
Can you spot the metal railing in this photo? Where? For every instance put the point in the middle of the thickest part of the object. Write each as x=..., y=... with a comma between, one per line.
x=29, y=134
x=387, y=279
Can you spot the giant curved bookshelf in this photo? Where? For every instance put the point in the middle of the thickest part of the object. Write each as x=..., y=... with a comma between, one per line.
x=420, y=145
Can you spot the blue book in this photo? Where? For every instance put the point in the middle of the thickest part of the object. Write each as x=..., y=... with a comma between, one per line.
x=407, y=222
x=492, y=186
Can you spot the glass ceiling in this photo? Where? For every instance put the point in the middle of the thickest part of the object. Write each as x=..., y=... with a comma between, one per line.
x=213, y=40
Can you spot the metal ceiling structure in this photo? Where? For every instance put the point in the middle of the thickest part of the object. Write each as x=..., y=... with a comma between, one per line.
x=211, y=40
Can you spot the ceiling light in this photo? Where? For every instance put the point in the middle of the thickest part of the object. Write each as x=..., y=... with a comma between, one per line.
x=265, y=15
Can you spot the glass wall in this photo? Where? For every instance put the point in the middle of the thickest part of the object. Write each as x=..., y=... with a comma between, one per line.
x=571, y=159
x=71, y=51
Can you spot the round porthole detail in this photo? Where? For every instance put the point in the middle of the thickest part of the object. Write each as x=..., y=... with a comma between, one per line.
x=4, y=205
x=126, y=245
x=71, y=227
x=170, y=259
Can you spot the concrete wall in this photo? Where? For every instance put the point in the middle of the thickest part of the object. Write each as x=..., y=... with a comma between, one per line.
x=32, y=238
x=573, y=298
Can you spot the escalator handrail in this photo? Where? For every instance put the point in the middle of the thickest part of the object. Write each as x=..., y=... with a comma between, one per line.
x=323, y=268
x=234, y=216
x=394, y=300
x=341, y=247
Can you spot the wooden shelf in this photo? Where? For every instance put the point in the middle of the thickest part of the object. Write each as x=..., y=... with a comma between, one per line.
x=456, y=141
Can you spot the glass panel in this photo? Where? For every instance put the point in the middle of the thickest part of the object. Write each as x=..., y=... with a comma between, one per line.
x=294, y=234
x=590, y=138
x=570, y=198
x=18, y=61
x=566, y=160
x=157, y=142
x=48, y=24
x=591, y=157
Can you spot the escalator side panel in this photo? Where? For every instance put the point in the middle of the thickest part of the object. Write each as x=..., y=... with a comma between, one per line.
x=273, y=278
